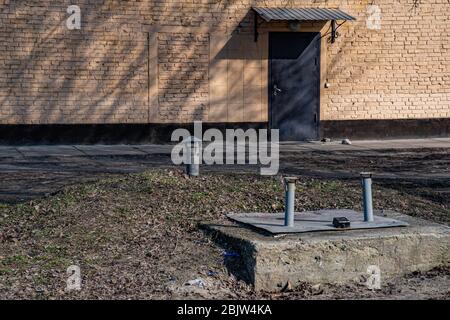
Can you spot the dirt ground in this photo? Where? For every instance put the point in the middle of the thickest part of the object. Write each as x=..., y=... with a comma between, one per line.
x=136, y=235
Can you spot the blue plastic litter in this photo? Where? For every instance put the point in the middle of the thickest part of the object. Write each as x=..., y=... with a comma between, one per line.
x=230, y=254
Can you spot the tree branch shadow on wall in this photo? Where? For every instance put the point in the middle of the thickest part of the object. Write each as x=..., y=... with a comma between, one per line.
x=62, y=77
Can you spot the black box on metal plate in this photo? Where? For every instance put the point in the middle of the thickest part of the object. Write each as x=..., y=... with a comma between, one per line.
x=341, y=223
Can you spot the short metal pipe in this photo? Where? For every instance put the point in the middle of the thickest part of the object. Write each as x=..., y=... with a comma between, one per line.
x=366, y=181
x=290, y=201
x=193, y=153
x=193, y=170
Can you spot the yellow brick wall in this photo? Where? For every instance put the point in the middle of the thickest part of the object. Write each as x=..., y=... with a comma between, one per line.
x=183, y=60
x=183, y=88
x=401, y=71
x=49, y=74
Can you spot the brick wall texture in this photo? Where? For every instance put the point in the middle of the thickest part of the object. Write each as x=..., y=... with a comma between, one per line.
x=144, y=61
x=183, y=64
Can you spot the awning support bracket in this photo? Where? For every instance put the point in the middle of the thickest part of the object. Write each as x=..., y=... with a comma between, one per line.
x=333, y=31
x=255, y=26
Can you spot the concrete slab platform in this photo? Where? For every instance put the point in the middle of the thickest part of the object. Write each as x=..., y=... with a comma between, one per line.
x=312, y=221
x=109, y=150
x=9, y=152
x=327, y=147
x=155, y=148
x=269, y=262
x=447, y=140
x=403, y=143
x=49, y=151
x=316, y=146
x=439, y=144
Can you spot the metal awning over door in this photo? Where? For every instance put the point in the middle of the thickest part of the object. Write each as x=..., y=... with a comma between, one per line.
x=300, y=14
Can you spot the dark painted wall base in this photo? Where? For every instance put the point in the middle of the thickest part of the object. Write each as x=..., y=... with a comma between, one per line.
x=386, y=129
x=103, y=133
x=161, y=133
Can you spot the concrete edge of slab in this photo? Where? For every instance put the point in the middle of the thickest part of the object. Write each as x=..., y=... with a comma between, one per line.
x=270, y=262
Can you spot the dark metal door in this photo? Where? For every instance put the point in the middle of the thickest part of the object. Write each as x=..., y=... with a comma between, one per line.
x=294, y=86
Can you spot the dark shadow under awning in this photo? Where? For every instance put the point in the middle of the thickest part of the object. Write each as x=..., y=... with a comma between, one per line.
x=301, y=14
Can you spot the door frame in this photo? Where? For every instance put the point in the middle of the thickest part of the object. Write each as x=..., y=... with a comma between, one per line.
x=319, y=79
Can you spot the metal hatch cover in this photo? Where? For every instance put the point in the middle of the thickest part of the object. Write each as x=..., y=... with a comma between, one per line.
x=313, y=221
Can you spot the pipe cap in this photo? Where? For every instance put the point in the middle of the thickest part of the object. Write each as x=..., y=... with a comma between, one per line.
x=290, y=179
x=366, y=174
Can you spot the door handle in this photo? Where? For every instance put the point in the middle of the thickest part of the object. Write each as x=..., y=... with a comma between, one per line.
x=276, y=90
x=315, y=117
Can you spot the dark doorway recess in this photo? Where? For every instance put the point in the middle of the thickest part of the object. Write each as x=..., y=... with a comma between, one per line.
x=294, y=84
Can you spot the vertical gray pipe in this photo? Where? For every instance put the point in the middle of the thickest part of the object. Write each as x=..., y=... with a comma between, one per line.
x=367, y=195
x=193, y=150
x=290, y=201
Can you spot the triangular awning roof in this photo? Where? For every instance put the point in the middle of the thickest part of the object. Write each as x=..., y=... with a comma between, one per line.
x=301, y=14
